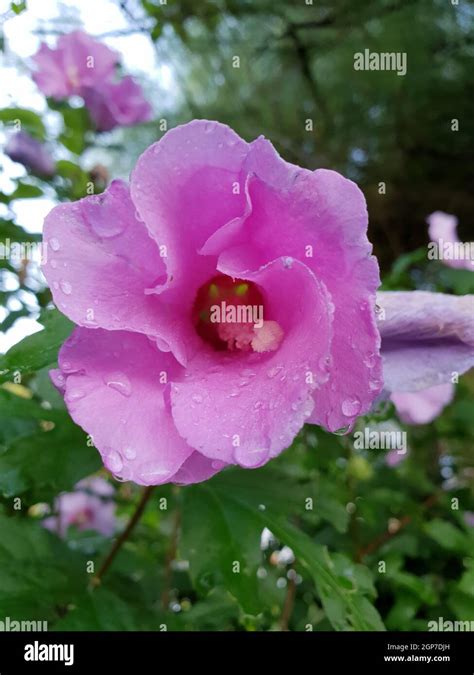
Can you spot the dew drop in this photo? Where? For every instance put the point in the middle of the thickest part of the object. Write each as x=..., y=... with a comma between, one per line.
x=375, y=385
x=152, y=474
x=120, y=382
x=75, y=394
x=288, y=262
x=234, y=393
x=258, y=405
x=162, y=345
x=66, y=287
x=113, y=461
x=351, y=407
x=197, y=398
x=54, y=243
x=130, y=453
x=250, y=458
x=53, y=264
x=370, y=360
x=342, y=431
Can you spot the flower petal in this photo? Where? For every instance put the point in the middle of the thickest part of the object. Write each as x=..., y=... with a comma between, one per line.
x=116, y=390
x=245, y=408
x=426, y=337
x=422, y=407
x=319, y=218
x=100, y=260
x=185, y=187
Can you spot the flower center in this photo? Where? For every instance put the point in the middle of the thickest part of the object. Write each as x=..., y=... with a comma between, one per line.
x=229, y=315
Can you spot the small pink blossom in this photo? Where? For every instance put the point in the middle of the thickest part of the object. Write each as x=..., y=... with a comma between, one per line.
x=117, y=104
x=83, y=66
x=78, y=61
x=89, y=507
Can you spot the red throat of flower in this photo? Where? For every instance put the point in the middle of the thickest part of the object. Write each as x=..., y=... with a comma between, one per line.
x=229, y=314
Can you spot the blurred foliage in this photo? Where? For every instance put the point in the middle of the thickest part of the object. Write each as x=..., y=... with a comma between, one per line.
x=372, y=546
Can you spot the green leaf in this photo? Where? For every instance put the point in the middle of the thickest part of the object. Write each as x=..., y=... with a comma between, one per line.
x=8, y=230
x=37, y=571
x=38, y=350
x=99, y=610
x=448, y=536
x=26, y=120
x=75, y=176
x=18, y=6
x=45, y=463
x=76, y=124
x=222, y=524
x=26, y=191
x=346, y=609
x=220, y=545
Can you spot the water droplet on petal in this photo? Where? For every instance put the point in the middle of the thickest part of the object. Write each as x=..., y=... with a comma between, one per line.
x=75, y=394
x=53, y=264
x=54, y=243
x=66, y=287
x=152, y=474
x=250, y=458
x=234, y=393
x=120, y=382
x=343, y=431
x=258, y=405
x=375, y=385
x=370, y=360
x=113, y=461
x=197, y=398
x=130, y=453
x=351, y=406
x=162, y=345
x=288, y=262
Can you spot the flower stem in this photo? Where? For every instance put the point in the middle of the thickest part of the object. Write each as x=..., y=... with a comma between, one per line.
x=146, y=494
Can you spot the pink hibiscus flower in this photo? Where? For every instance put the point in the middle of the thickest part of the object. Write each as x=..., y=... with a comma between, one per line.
x=89, y=507
x=117, y=104
x=224, y=299
x=85, y=67
x=78, y=61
